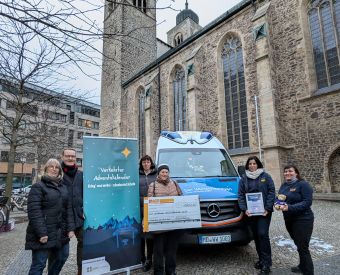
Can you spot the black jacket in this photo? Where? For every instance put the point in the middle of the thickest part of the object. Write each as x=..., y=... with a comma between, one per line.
x=49, y=214
x=75, y=188
x=299, y=197
x=263, y=183
x=144, y=182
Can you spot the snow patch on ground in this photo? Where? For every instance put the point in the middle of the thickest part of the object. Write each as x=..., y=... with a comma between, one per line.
x=316, y=245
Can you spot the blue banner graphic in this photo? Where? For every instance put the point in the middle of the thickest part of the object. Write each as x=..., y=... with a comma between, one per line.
x=111, y=205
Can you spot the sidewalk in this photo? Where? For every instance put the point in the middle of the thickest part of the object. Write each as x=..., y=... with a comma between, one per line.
x=326, y=266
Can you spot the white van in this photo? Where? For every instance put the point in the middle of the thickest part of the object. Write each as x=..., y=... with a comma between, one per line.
x=201, y=165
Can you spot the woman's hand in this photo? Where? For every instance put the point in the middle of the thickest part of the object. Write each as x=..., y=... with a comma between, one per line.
x=247, y=213
x=284, y=207
x=43, y=239
x=70, y=234
x=265, y=213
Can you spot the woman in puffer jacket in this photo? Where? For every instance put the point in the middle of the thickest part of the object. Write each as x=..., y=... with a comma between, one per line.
x=165, y=243
x=50, y=221
x=147, y=175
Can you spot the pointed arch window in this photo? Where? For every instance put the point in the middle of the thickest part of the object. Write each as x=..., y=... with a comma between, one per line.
x=180, y=100
x=324, y=23
x=235, y=94
x=140, y=4
x=141, y=121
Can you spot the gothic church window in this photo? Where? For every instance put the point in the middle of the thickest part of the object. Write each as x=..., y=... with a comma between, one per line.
x=140, y=4
x=180, y=100
x=324, y=23
x=235, y=94
x=141, y=121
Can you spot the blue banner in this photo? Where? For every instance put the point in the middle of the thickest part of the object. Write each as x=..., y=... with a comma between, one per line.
x=111, y=205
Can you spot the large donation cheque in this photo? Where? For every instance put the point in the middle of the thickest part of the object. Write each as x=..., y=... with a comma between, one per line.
x=168, y=213
x=112, y=225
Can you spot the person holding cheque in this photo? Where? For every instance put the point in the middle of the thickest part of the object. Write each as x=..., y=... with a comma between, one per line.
x=256, y=196
x=294, y=200
x=165, y=242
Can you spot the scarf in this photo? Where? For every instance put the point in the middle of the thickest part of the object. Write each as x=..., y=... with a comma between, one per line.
x=69, y=170
x=255, y=174
x=164, y=182
x=54, y=180
x=294, y=179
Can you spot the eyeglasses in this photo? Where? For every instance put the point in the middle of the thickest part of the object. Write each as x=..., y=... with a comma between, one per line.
x=54, y=167
x=70, y=156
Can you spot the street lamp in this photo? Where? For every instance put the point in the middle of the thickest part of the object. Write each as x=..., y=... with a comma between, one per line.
x=22, y=160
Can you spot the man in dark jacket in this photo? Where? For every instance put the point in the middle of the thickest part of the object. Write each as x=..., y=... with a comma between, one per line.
x=73, y=179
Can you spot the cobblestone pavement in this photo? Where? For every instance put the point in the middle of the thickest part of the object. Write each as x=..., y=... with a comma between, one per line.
x=214, y=260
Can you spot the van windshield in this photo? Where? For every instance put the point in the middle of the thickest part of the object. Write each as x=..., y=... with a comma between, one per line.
x=197, y=163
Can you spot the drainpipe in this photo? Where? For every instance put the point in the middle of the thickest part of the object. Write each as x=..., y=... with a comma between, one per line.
x=159, y=99
x=258, y=127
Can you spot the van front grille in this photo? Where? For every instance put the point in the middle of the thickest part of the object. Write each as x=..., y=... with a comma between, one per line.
x=214, y=211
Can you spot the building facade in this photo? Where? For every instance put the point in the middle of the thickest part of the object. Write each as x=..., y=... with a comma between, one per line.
x=264, y=78
x=53, y=122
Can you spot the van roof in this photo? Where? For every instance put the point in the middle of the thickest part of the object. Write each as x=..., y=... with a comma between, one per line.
x=188, y=139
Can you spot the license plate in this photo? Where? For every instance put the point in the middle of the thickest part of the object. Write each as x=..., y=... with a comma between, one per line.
x=215, y=239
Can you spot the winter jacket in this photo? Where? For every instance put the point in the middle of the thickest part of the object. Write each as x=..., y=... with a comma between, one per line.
x=299, y=197
x=263, y=183
x=144, y=182
x=157, y=189
x=49, y=214
x=75, y=188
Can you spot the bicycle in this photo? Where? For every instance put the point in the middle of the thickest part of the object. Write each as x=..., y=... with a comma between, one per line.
x=4, y=211
x=20, y=202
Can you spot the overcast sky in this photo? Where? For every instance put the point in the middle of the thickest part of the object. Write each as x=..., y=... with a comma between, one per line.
x=207, y=11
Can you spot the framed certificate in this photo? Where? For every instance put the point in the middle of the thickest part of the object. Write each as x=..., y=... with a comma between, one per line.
x=255, y=203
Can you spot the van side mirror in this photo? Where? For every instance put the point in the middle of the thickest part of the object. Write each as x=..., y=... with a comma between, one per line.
x=241, y=170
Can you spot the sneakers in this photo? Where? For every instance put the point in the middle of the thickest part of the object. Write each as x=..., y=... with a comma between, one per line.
x=296, y=269
x=265, y=270
x=147, y=265
x=258, y=265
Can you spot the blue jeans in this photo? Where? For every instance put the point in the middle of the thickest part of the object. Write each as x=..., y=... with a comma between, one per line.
x=56, y=260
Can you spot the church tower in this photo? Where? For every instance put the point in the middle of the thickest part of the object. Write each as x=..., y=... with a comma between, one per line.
x=129, y=45
x=187, y=23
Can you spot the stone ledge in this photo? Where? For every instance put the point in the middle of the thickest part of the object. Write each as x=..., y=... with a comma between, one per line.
x=327, y=196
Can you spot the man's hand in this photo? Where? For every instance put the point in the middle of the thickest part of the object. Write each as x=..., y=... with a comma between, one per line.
x=70, y=234
x=43, y=239
x=265, y=213
x=247, y=213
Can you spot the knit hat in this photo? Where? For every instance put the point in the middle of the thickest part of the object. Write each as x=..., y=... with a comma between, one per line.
x=161, y=167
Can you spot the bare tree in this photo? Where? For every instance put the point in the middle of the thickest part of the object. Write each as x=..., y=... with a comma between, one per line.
x=42, y=42
x=29, y=61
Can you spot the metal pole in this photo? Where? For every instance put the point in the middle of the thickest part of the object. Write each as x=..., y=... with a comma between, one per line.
x=22, y=174
x=258, y=127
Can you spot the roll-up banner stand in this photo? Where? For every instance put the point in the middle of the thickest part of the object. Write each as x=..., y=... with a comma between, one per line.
x=112, y=227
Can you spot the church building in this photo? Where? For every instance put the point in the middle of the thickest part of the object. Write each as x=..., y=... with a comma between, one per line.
x=264, y=77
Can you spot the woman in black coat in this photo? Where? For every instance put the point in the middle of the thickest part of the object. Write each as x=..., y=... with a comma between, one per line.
x=51, y=222
x=256, y=180
x=298, y=215
x=147, y=174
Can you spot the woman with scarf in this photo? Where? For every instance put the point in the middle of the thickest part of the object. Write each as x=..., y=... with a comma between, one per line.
x=298, y=215
x=165, y=243
x=51, y=222
x=147, y=174
x=253, y=181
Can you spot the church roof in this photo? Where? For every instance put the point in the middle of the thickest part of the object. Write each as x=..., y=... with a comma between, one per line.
x=192, y=38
